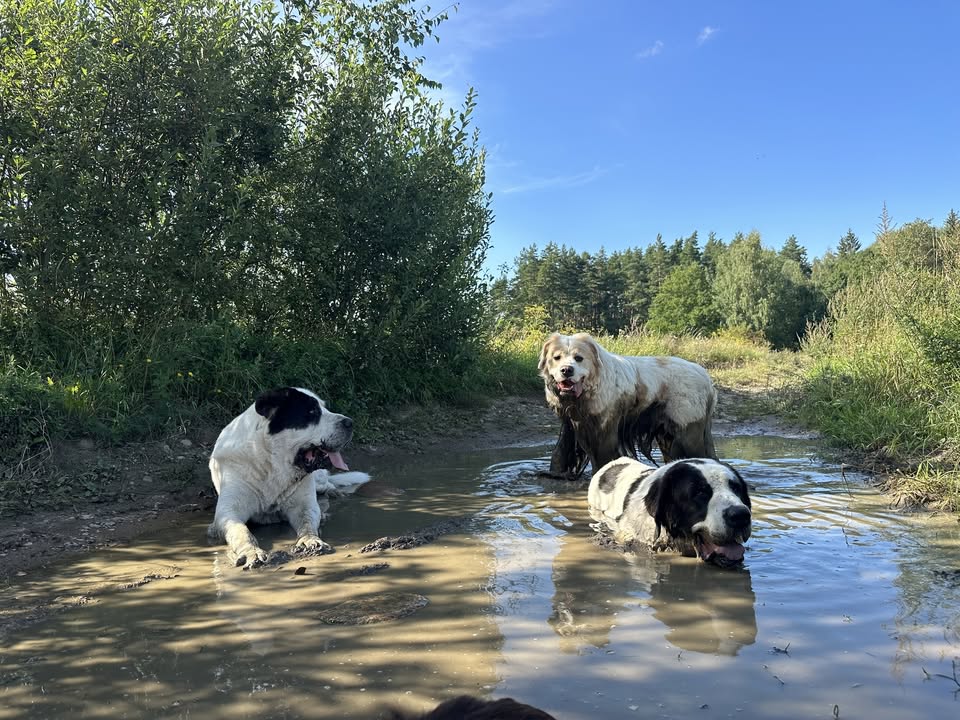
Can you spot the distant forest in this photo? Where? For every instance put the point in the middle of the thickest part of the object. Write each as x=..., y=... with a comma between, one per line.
x=696, y=288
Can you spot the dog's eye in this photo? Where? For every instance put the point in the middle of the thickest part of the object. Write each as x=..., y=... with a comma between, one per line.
x=578, y=358
x=557, y=356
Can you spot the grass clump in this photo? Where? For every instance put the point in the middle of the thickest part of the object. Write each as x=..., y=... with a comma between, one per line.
x=885, y=365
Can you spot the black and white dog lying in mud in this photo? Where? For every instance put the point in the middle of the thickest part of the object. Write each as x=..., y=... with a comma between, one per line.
x=698, y=507
x=268, y=464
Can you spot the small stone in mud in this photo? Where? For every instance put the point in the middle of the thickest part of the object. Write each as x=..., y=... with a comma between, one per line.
x=300, y=571
x=371, y=609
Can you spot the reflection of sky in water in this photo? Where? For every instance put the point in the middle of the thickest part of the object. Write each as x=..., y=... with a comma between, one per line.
x=858, y=595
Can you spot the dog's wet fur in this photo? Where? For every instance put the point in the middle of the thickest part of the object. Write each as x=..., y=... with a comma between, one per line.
x=698, y=507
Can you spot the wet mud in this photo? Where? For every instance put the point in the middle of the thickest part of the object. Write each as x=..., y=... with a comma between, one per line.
x=842, y=602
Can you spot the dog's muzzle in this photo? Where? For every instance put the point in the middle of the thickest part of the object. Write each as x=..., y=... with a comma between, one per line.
x=314, y=457
x=727, y=553
x=568, y=388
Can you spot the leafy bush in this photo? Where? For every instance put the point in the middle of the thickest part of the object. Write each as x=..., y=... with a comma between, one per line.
x=202, y=199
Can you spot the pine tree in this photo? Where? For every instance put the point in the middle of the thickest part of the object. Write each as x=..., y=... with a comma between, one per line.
x=657, y=261
x=951, y=226
x=849, y=244
x=793, y=250
x=690, y=253
x=712, y=252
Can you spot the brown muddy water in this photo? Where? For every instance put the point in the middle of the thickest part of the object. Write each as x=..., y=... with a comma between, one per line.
x=845, y=608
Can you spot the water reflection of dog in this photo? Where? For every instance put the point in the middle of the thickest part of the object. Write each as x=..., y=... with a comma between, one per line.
x=704, y=608
x=590, y=588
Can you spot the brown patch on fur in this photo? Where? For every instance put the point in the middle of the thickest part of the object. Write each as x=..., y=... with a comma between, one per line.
x=664, y=394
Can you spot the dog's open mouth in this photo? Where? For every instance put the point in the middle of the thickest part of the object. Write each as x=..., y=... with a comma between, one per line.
x=569, y=387
x=725, y=556
x=314, y=457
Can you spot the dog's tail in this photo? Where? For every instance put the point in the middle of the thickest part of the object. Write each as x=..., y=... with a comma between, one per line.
x=341, y=483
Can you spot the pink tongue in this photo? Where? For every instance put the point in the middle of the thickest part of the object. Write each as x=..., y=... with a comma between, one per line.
x=731, y=552
x=568, y=385
x=337, y=460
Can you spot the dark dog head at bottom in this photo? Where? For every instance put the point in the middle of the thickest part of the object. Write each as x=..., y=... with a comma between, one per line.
x=466, y=707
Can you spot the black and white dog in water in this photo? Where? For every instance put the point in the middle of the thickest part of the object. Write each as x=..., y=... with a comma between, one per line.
x=267, y=466
x=697, y=506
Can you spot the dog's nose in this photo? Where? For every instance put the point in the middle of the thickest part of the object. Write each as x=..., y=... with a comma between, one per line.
x=736, y=517
x=346, y=423
x=566, y=371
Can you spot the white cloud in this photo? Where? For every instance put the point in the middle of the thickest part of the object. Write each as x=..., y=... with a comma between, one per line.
x=649, y=52
x=706, y=34
x=557, y=181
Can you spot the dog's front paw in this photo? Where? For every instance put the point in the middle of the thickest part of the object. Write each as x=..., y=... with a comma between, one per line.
x=251, y=557
x=311, y=545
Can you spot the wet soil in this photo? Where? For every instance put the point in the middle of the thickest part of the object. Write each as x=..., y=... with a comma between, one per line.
x=842, y=603
x=107, y=496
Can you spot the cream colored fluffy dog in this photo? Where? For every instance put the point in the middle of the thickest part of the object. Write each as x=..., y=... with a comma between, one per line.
x=614, y=405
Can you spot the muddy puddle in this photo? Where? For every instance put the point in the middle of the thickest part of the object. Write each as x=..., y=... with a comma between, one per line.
x=845, y=608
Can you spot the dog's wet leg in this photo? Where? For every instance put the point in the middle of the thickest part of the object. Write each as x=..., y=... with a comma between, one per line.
x=304, y=514
x=567, y=456
x=244, y=549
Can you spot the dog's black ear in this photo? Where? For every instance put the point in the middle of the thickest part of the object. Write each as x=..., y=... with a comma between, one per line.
x=267, y=403
x=654, y=504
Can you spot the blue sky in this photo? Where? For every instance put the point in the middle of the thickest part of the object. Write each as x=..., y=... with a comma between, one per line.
x=610, y=121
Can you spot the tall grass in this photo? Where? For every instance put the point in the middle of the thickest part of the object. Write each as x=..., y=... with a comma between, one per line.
x=119, y=389
x=736, y=358
x=885, y=373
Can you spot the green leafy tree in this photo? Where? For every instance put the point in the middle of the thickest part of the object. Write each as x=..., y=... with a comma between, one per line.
x=794, y=302
x=741, y=285
x=684, y=302
x=277, y=169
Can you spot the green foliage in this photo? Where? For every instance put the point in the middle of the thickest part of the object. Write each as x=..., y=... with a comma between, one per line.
x=793, y=250
x=849, y=244
x=887, y=365
x=668, y=289
x=765, y=292
x=742, y=284
x=257, y=193
x=684, y=303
